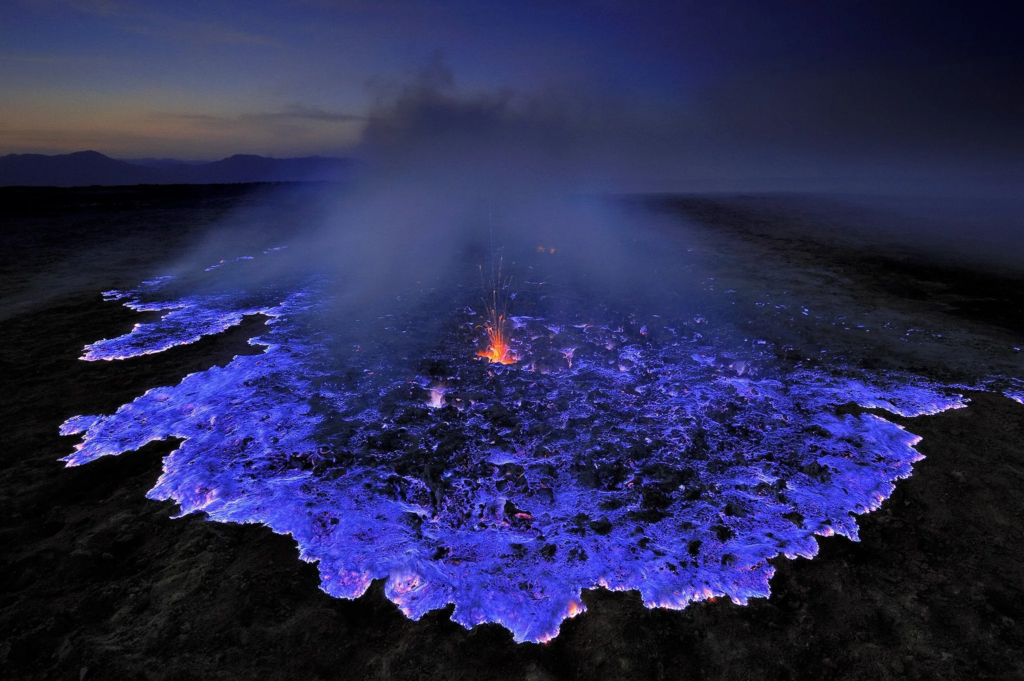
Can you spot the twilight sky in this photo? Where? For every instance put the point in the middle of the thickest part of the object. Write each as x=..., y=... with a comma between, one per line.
x=723, y=89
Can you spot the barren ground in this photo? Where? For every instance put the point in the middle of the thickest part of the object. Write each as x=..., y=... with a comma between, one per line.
x=97, y=582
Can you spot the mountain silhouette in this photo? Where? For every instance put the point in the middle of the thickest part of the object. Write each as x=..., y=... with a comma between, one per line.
x=86, y=168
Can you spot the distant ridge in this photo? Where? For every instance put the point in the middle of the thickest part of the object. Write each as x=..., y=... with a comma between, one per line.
x=86, y=168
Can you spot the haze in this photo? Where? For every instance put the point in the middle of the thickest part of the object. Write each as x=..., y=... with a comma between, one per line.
x=687, y=96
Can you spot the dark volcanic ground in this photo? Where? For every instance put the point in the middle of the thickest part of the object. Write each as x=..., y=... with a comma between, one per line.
x=97, y=582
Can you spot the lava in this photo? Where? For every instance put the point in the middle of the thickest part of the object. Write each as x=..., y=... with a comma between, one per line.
x=498, y=350
x=648, y=462
x=497, y=323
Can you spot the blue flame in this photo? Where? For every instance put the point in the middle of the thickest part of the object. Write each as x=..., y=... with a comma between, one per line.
x=618, y=463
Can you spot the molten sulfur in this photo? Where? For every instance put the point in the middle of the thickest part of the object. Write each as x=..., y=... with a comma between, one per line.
x=498, y=351
x=627, y=454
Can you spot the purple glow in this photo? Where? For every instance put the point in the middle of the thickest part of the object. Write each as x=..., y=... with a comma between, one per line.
x=1015, y=390
x=238, y=259
x=186, y=321
x=600, y=459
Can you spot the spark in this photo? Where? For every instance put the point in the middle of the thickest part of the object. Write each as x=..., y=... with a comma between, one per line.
x=496, y=322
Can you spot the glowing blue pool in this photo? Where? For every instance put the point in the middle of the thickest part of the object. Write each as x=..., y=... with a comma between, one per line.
x=627, y=456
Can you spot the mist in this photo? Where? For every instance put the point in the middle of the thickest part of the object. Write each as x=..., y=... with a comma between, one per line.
x=450, y=178
x=453, y=187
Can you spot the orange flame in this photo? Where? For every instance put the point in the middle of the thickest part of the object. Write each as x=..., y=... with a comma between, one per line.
x=498, y=351
x=496, y=324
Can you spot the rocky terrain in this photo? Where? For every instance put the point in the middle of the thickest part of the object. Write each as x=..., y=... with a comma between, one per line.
x=98, y=582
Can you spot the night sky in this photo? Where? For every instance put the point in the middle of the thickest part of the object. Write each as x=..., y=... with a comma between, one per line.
x=669, y=95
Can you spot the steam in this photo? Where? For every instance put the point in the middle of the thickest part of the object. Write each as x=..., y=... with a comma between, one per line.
x=449, y=182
